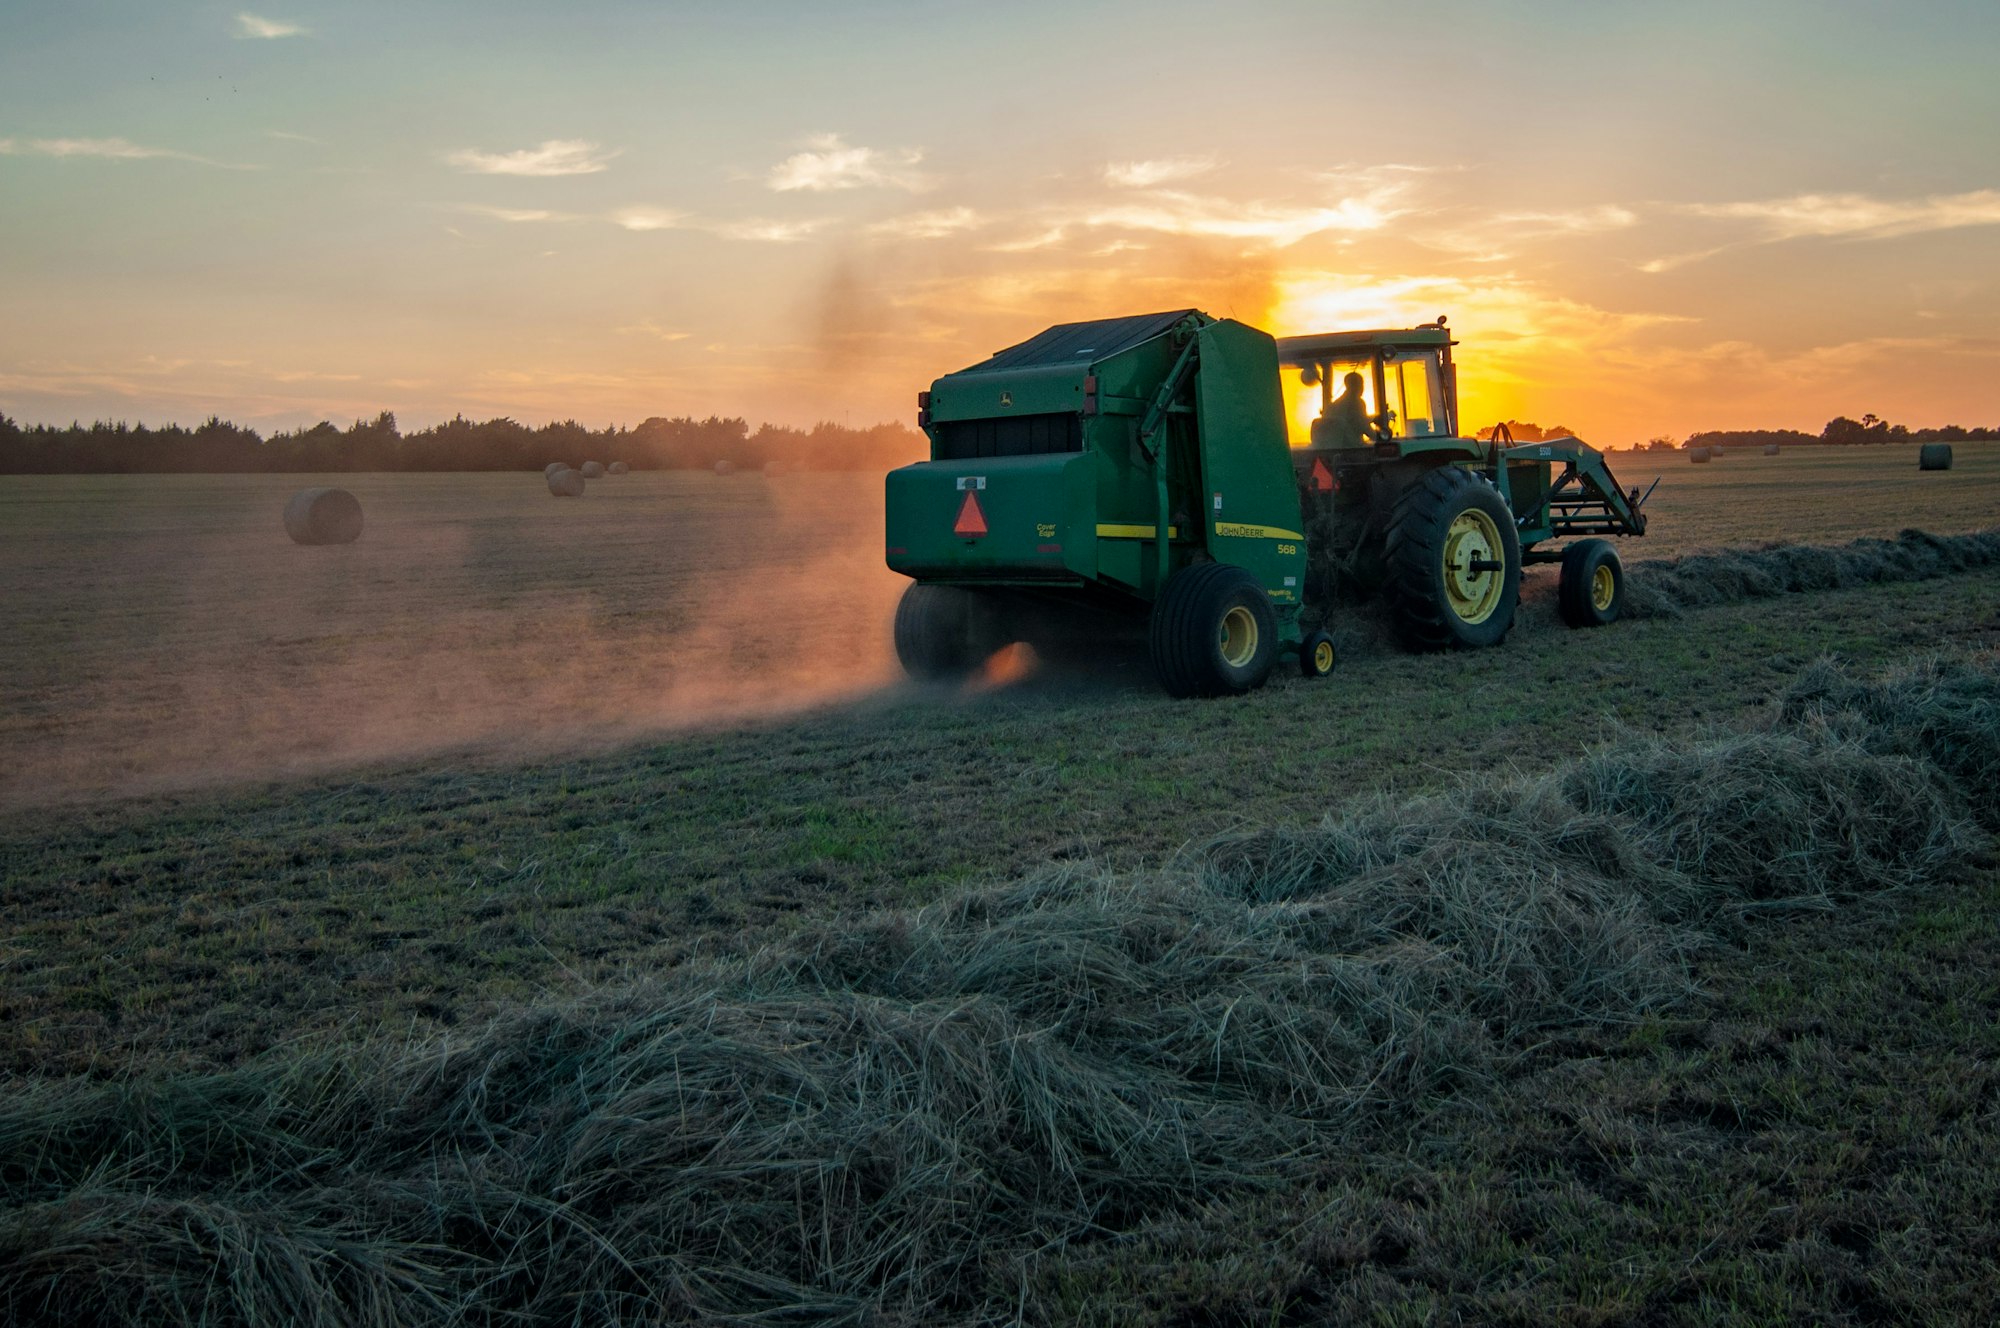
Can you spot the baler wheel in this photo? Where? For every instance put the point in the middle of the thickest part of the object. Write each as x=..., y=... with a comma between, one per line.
x=1316, y=655
x=935, y=632
x=1592, y=590
x=1213, y=632
x=1454, y=562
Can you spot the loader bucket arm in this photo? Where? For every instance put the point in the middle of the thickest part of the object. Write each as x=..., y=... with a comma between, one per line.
x=1582, y=499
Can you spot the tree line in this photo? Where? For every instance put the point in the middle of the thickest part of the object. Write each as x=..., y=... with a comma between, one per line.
x=1840, y=431
x=660, y=443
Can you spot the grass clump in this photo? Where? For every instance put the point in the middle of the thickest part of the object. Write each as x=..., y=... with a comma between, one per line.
x=881, y=1119
x=1927, y=711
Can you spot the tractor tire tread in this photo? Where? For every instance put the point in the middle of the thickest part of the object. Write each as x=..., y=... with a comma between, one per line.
x=1418, y=521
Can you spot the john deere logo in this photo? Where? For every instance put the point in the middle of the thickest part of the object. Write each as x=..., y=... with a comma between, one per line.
x=1006, y=398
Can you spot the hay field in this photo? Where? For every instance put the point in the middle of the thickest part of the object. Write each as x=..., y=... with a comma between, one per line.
x=161, y=633
x=1643, y=976
x=1807, y=494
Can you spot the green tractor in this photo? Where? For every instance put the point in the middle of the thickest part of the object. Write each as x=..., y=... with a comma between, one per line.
x=1150, y=472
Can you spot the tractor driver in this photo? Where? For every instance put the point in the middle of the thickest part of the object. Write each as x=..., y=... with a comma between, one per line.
x=1345, y=422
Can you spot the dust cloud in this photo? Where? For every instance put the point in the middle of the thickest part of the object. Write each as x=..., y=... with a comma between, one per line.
x=162, y=634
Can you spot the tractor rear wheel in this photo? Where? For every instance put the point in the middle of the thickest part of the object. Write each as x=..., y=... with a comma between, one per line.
x=1213, y=632
x=1454, y=562
x=937, y=635
x=1592, y=590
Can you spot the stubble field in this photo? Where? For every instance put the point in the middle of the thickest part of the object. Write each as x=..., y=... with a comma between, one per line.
x=265, y=803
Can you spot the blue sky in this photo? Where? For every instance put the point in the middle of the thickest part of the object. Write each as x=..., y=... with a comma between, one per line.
x=1644, y=218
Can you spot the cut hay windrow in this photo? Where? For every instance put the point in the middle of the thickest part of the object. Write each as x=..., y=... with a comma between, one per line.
x=1663, y=588
x=880, y=1119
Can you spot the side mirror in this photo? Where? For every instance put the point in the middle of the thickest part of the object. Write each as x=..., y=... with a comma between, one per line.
x=1310, y=375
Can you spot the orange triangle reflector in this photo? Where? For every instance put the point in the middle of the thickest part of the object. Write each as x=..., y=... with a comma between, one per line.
x=1322, y=477
x=971, y=521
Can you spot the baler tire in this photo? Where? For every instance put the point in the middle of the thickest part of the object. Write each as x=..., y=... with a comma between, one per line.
x=1421, y=526
x=1592, y=590
x=935, y=632
x=1317, y=655
x=1197, y=616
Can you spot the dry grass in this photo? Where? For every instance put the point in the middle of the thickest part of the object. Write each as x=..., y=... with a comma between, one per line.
x=882, y=1118
x=1667, y=588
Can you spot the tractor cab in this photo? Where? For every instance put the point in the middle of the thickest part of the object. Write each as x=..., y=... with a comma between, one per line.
x=1405, y=381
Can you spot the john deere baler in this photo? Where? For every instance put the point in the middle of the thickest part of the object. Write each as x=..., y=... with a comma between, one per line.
x=1131, y=467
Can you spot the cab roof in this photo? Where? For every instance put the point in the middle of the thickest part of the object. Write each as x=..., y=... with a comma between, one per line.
x=1298, y=350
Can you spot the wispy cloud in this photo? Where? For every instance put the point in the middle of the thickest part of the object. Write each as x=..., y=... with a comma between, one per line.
x=1277, y=224
x=556, y=156
x=648, y=327
x=291, y=137
x=106, y=149
x=1347, y=201
x=829, y=163
x=1574, y=221
x=770, y=232
x=267, y=29
x=1857, y=215
x=1668, y=262
x=928, y=225
x=648, y=219
x=1152, y=174
x=518, y=215
x=1491, y=237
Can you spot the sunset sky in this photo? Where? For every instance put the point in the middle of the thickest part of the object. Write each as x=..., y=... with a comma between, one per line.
x=1642, y=218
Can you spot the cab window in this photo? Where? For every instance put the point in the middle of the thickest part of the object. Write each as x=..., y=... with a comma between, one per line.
x=1309, y=390
x=1412, y=378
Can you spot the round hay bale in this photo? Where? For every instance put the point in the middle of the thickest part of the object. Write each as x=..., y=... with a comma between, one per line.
x=774, y=467
x=566, y=483
x=323, y=516
x=617, y=468
x=1714, y=452
x=725, y=467
x=553, y=467
x=1934, y=456
x=593, y=470
x=1770, y=449
x=1698, y=455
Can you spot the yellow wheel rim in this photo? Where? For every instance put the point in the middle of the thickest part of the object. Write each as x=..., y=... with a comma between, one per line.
x=1323, y=657
x=1473, y=591
x=1238, y=637
x=1603, y=585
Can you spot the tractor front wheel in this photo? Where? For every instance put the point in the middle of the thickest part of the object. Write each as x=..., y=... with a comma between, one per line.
x=937, y=635
x=1454, y=562
x=1213, y=632
x=1592, y=590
